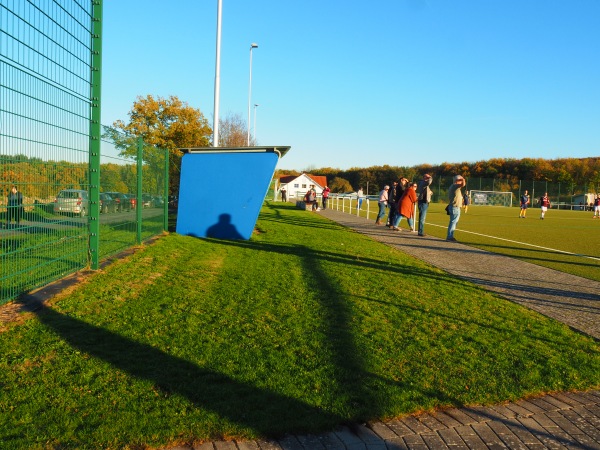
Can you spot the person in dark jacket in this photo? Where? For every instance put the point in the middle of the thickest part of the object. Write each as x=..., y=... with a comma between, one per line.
x=15, y=206
x=392, y=194
x=424, y=194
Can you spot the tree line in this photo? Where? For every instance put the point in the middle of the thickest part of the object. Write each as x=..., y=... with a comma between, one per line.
x=41, y=180
x=573, y=173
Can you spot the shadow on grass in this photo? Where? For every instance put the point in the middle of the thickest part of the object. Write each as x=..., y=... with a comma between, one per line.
x=231, y=399
x=303, y=219
x=306, y=253
x=234, y=400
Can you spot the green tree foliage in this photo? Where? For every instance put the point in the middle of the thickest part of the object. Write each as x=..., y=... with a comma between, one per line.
x=340, y=185
x=582, y=174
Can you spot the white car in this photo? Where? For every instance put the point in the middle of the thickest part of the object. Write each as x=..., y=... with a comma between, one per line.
x=73, y=201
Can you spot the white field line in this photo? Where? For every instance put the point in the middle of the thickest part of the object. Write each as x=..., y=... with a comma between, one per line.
x=520, y=243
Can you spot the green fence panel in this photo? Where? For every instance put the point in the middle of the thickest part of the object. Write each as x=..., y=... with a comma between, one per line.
x=56, y=212
x=131, y=191
x=45, y=67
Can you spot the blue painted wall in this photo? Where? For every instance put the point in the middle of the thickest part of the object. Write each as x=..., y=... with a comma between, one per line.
x=220, y=194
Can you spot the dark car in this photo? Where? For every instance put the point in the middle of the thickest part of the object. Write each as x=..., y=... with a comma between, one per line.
x=121, y=201
x=131, y=201
x=107, y=203
x=173, y=202
x=158, y=201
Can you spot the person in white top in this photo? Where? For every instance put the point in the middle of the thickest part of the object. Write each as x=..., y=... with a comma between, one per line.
x=383, y=201
x=359, y=197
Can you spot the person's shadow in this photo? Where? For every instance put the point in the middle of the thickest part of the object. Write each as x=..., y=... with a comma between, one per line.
x=223, y=229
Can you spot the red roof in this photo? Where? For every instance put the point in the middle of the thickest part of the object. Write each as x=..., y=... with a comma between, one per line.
x=318, y=179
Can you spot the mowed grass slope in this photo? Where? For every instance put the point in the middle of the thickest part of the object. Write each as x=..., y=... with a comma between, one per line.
x=568, y=241
x=305, y=326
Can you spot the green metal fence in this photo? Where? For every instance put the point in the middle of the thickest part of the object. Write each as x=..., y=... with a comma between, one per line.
x=563, y=195
x=55, y=215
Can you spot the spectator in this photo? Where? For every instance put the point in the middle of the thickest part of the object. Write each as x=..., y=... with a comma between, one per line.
x=14, y=209
x=424, y=194
x=311, y=198
x=283, y=194
x=406, y=207
x=392, y=196
x=325, y=196
x=395, y=200
x=359, y=197
x=455, y=200
x=383, y=202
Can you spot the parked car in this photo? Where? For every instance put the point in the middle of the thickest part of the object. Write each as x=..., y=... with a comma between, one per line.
x=131, y=200
x=107, y=203
x=121, y=201
x=173, y=202
x=158, y=201
x=72, y=201
x=146, y=201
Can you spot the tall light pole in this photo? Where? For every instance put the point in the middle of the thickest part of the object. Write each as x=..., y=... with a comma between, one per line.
x=217, y=78
x=253, y=45
x=255, y=105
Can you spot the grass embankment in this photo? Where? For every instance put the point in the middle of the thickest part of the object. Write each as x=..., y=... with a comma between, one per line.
x=305, y=326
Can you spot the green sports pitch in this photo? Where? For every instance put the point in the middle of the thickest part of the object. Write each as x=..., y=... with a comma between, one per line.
x=565, y=240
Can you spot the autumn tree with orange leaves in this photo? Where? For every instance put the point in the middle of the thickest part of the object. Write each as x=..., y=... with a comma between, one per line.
x=167, y=123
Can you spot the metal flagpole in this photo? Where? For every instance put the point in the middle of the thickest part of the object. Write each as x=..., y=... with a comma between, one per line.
x=217, y=77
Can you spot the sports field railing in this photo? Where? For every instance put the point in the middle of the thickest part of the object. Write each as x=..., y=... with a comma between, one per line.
x=55, y=166
x=563, y=195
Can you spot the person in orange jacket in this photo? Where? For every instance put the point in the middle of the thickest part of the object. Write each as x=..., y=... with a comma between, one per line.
x=406, y=207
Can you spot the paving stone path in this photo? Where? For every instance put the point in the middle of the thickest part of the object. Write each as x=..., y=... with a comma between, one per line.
x=558, y=421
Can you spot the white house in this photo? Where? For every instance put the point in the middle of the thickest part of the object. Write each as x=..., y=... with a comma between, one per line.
x=297, y=185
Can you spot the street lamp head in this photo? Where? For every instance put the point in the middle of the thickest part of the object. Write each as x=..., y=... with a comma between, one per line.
x=256, y=104
x=253, y=45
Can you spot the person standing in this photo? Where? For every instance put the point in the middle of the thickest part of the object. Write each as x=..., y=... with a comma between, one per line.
x=325, y=195
x=312, y=197
x=406, y=207
x=596, y=208
x=545, y=204
x=392, y=196
x=283, y=194
x=359, y=197
x=455, y=201
x=466, y=201
x=383, y=202
x=524, y=203
x=424, y=194
x=14, y=208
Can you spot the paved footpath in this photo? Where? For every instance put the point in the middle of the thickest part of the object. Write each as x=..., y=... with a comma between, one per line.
x=558, y=421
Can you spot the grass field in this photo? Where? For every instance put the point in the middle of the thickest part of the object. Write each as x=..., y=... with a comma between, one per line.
x=565, y=240
x=305, y=326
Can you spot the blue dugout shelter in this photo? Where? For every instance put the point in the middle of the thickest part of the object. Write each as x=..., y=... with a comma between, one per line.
x=221, y=190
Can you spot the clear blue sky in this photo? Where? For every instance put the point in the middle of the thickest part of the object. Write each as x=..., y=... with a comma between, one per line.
x=357, y=84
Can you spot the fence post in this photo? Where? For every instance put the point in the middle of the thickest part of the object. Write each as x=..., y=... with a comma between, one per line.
x=95, y=134
x=166, y=193
x=138, y=191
